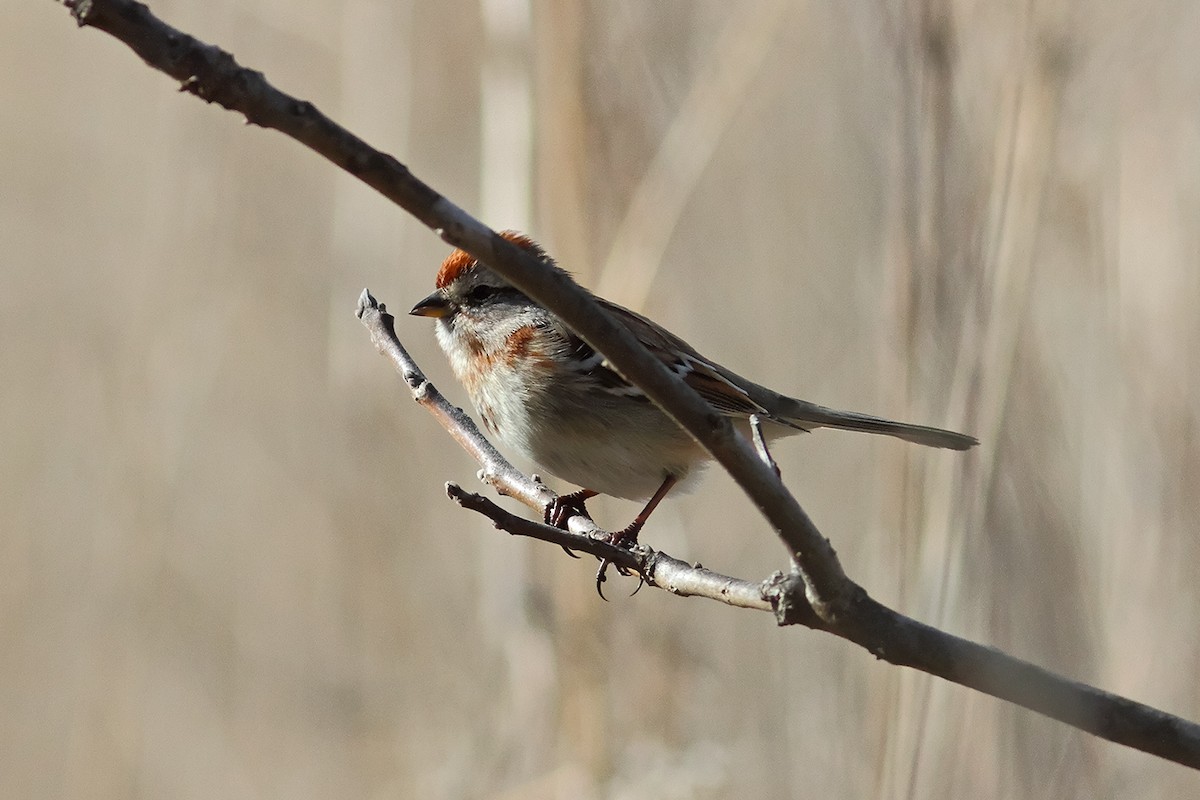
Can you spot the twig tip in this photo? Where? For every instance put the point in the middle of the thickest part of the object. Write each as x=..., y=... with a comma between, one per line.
x=366, y=300
x=455, y=492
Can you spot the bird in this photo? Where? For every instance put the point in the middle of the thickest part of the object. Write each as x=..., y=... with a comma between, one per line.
x=553, y=398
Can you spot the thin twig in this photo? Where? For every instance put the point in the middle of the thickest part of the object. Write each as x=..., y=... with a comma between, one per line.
x=760, y=444
x=887, y=634
x=658, y=569
x=496, y=470
x=582, y=534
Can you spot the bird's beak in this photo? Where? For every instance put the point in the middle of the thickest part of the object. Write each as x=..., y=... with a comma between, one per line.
x=434, y=306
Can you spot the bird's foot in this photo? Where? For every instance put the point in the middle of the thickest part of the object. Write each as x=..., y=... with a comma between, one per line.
x=626, y=538
x=563, y=507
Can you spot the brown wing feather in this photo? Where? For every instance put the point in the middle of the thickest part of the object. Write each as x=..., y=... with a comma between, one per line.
x=735, y=396
x=706, y=378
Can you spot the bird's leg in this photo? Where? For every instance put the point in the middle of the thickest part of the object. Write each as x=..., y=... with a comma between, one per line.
x=627, y=536
x=561, y=508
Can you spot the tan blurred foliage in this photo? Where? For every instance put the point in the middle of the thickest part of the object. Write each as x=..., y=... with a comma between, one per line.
x=227, y=568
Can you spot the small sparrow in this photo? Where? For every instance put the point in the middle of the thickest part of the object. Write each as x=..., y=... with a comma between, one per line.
x=550, y=396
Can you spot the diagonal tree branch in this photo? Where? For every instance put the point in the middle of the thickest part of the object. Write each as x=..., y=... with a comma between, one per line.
x=887, y=634
x=818, y=594
x=214, y=75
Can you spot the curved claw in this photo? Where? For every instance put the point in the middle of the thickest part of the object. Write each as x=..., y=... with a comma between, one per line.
x=601, y=577
x=570, y=552
x=626, y=540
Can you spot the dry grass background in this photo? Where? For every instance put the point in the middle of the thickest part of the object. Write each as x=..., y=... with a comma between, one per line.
x=226, y=565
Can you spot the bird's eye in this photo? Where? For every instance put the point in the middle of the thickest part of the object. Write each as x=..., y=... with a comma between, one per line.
x=480, y=293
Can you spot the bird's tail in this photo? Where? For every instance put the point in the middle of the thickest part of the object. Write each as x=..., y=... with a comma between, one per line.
x=806, y=415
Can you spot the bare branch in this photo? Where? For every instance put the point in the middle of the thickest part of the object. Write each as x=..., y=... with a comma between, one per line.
x=887, y=634
x=658, y=569
x=597, y=546
x=819, y=595
x=496, y=470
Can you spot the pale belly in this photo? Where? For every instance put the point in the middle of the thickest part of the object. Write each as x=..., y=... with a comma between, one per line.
x=624, y=449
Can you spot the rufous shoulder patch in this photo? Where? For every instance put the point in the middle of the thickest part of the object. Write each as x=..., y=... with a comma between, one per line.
x=520, y=342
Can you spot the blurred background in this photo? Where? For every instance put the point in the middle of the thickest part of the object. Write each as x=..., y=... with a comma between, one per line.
x=227, y=566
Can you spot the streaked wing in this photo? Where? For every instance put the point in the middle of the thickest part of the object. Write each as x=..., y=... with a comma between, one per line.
x=595, y=366
x=736, y=396
x=703, y=376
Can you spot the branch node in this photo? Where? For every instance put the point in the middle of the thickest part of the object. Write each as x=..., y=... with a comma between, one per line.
x=490, y=478
x=787, y=595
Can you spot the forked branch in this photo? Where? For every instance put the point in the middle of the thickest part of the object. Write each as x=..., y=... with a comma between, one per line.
x=582, y=534
x=818, y=594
